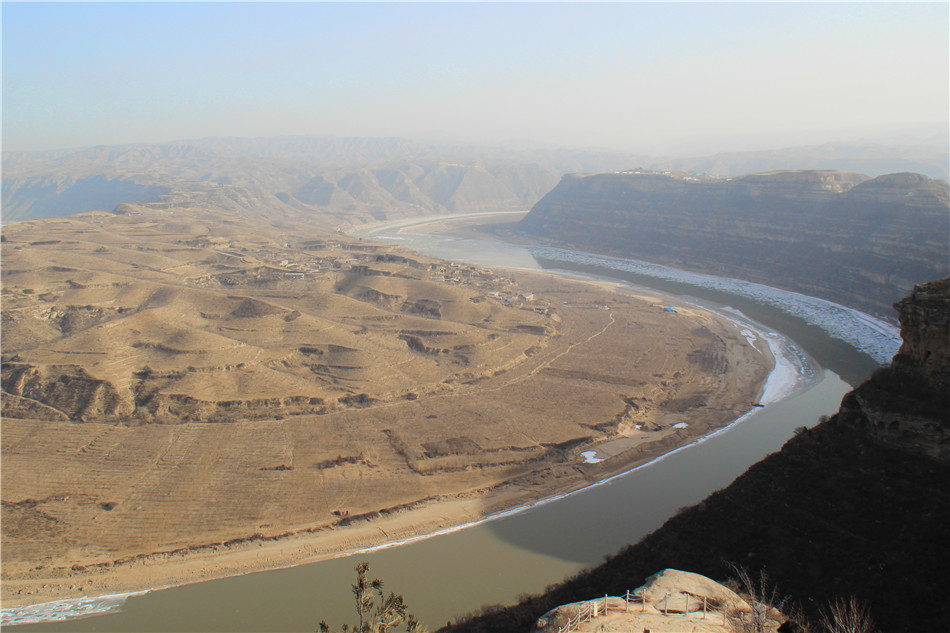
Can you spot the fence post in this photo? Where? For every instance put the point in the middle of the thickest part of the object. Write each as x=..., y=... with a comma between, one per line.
x=605, y=605
x=666, y=604
x=704, y=607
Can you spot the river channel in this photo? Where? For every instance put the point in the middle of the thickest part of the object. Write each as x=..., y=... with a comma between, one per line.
x=459, y=571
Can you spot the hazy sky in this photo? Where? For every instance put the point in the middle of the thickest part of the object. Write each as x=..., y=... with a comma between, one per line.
x=668, y=78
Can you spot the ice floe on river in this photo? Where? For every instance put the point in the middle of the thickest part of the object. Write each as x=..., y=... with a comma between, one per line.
x=876, y=338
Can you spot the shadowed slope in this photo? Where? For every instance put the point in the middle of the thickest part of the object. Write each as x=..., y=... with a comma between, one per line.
x=857, y=505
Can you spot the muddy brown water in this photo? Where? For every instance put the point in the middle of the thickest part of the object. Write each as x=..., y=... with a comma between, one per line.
x=452, y=574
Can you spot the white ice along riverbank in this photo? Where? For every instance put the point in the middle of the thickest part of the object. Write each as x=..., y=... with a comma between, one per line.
x=874, y=337
x=793, y=371
x=68, y=609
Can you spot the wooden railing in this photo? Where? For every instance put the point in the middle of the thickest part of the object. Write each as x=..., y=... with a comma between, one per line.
x=594, y=608
x=601, y=606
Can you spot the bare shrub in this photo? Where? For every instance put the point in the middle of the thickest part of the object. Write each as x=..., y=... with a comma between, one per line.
x=764, y=600
x=847, y=615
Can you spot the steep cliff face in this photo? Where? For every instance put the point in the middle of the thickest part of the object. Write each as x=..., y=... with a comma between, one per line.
x=907, y=405
x=925, y=330
x=857, y=505
x=836, y=235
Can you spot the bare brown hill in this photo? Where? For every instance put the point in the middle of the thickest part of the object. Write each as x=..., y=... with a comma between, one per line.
x=187, y=397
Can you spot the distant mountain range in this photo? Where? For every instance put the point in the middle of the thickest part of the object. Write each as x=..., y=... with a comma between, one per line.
x=333, y=181
x=337, y=180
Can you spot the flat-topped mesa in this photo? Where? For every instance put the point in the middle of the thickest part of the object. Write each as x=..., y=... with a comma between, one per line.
x=795, y=183
x=837, y=235
x=906, y=184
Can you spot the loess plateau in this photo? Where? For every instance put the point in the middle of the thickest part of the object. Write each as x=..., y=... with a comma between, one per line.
x=187, y=398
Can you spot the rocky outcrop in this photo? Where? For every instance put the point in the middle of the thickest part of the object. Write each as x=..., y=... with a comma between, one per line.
x=837, y=235
x=907, y=405
x=656, y=605
x=857, y=505
x=925, y=330
x=58, y=393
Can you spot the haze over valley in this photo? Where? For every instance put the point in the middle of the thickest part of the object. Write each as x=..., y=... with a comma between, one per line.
x=260, y=306
x=354, y=180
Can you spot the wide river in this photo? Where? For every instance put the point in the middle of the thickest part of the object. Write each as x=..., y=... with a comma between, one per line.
x=493, y=562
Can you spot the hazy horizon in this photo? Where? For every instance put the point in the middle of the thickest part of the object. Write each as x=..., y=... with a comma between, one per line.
x=661, y=79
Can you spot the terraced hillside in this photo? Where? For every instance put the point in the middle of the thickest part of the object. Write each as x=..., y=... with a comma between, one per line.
x=179, y=388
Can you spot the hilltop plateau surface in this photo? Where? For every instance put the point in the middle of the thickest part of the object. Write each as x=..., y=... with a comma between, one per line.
x=873, y=159
x=188, y=395
x=858, y=241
